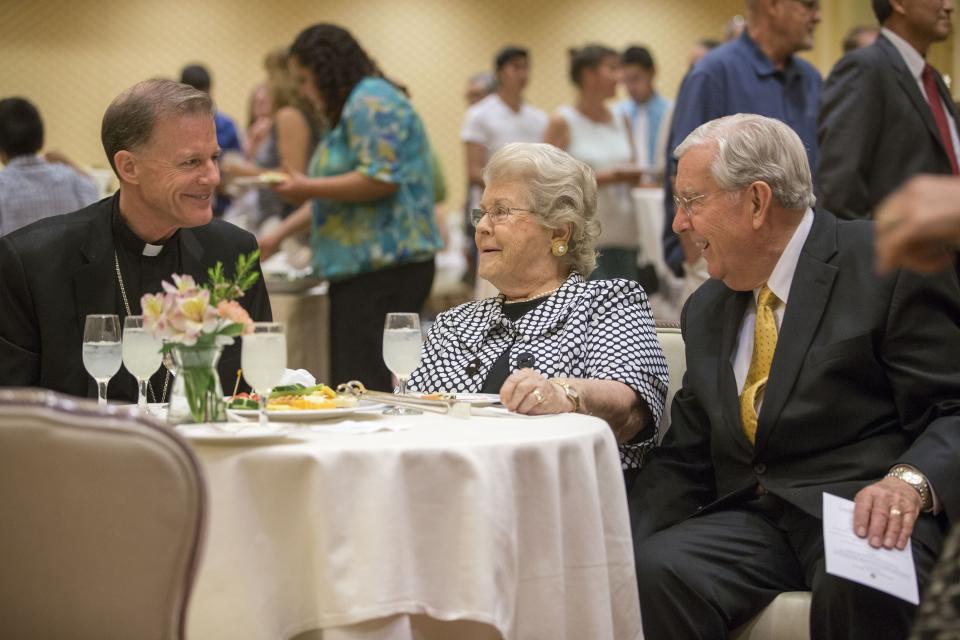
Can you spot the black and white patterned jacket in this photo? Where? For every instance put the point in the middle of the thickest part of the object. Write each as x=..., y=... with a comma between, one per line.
x=600, y=330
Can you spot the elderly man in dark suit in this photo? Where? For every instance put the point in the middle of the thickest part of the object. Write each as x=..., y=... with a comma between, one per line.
x=885, y=113
x=160, y=139
x=806, y=374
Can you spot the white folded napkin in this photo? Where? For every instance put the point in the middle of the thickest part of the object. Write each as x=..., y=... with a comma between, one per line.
x=293, y=376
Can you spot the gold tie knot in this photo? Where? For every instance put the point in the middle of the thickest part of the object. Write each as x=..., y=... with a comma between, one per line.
x=767, y=298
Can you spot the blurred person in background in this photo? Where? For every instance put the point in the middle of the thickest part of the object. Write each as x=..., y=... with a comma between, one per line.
x=550, y=342
x=371, y=186
x=198, y=77
x=886, y=113
x=259, y=122
x=757, y=72
x=500, y=118
x=293, y=135
x=591, y=132
x=734, y=28
x=647, y=111
x=699, y=49
x=859, y=36
x=34, y=186
x=479, y=86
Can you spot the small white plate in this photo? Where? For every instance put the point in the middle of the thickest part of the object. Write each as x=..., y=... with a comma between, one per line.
x=262, y=180
x=309, y=415
x=232, y=433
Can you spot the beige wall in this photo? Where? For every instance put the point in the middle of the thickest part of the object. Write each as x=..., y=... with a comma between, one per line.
x=72, y=57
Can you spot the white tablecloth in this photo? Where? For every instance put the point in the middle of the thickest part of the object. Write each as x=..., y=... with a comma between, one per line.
x=517, y=523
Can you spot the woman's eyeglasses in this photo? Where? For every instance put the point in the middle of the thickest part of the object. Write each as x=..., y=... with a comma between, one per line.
x=498, y=213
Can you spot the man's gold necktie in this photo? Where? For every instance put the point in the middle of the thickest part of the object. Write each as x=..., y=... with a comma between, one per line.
x=764, y=344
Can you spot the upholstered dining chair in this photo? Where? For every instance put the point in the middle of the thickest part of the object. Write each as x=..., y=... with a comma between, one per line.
x=788, y=616
x=671, y=341
x=101, y=521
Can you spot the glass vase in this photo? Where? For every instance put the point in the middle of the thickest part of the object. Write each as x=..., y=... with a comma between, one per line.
x=197, y=395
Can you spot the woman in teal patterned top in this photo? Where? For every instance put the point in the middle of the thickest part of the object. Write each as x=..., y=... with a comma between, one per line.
x=371, y=187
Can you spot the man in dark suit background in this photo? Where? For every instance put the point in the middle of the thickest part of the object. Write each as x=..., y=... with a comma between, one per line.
x=160, y=139
x=806, y=374
x=886, y=114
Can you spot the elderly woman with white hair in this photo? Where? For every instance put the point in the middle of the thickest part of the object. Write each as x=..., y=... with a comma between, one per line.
x=550, y=342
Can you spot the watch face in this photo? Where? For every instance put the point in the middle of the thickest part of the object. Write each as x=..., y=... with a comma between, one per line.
x=911, y=476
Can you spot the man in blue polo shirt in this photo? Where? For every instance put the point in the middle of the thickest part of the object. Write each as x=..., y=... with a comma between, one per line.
x=197, y=76
x=755, y=73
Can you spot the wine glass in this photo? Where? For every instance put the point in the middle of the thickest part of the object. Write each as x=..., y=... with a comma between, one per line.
x=141, y=355
x=402, y=351
x=101, y=350
x=263, y=360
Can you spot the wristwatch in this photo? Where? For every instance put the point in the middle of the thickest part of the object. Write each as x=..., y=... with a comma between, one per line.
x=916, y=480
x=571, y=393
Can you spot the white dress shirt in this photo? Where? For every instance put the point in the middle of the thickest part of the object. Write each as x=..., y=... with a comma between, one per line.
x=779, y=283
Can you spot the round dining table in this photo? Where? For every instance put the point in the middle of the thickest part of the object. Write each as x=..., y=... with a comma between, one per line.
x=381, y=527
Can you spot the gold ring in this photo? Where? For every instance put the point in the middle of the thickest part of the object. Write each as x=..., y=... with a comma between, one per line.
x=538, y=396
x=895, y=511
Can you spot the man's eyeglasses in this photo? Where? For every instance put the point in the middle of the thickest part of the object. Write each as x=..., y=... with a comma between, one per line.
x=498, y=213
x=685, y=203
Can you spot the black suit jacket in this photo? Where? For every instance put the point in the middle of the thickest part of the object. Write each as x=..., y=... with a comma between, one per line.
x=866, y=374
x=55, y=272
x=875, y=130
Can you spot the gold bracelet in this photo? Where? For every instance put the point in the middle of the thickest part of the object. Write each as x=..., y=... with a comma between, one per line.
x=570, y=392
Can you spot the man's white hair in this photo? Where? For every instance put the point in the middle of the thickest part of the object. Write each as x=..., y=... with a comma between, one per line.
x=752, y=148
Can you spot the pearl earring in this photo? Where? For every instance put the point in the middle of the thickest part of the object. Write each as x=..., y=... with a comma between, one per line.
x=558, y=247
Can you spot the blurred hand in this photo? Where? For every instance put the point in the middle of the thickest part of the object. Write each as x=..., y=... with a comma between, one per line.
x=269, y=245
x=885, y=513
x=528, y=392
x=295, y=189
x=919, y=224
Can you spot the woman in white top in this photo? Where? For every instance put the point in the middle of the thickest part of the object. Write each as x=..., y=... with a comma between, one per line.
x=590, y=132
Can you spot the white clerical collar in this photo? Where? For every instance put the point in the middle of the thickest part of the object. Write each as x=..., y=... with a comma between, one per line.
x=151, y=250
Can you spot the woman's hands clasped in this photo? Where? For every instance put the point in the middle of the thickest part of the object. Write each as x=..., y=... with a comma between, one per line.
x=528, y=392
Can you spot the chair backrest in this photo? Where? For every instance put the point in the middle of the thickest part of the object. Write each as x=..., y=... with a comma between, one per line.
x=671, y=340
x=101, y=521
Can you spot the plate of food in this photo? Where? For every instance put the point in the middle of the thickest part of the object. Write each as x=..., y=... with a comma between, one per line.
x=265, y=179
x=232, y=433
x=300, y=403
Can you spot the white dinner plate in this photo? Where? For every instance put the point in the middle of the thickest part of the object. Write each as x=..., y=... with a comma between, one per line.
x=310, y=415
x=232, y=433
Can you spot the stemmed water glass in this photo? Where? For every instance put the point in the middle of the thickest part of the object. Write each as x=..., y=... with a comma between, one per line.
x=141, y=355
x=263, y=359
x=402, y=351
x=101, y=350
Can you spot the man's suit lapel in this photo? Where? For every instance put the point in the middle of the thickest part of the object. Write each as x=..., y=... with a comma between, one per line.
x=95, y=283
x=909, y=85
x=809, y=293
x=733, y=311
